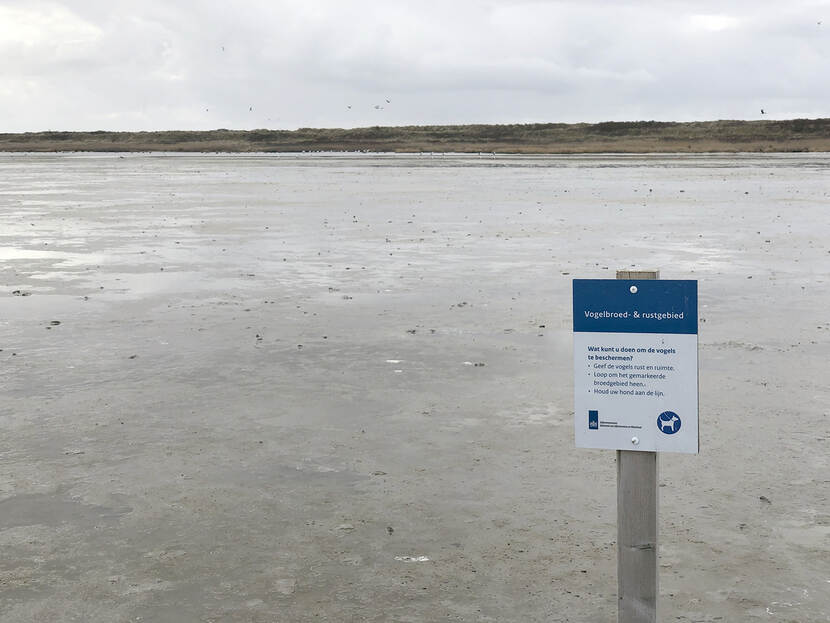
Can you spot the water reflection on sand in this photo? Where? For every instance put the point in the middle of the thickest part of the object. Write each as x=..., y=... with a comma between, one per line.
x=277, y=380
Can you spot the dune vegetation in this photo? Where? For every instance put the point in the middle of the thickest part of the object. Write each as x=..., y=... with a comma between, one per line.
x=796, y=135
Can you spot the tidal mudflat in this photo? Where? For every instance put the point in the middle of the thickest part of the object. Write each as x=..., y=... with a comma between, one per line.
x=327, y=387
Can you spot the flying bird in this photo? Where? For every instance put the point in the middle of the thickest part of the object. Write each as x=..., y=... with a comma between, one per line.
x=388, y=101
x=762, y=112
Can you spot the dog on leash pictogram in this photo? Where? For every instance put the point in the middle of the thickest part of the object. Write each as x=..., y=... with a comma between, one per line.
x=668, y=422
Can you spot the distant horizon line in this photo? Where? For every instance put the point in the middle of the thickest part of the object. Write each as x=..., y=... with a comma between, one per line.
x=757, y=135
x=425, y=125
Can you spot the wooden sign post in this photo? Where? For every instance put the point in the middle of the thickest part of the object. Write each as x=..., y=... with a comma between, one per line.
x=637, y=524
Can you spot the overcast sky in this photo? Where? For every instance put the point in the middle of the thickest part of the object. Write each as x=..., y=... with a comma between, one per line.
x=166, y=64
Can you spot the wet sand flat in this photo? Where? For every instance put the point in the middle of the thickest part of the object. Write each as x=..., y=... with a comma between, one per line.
x=329, y=387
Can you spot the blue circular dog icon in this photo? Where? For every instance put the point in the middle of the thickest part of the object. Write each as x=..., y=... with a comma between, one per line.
x=668, y=422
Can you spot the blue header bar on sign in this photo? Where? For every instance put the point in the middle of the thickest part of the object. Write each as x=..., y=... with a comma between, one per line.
x=635, y=306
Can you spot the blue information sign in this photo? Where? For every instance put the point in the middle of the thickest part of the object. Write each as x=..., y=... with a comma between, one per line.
x=635, y=364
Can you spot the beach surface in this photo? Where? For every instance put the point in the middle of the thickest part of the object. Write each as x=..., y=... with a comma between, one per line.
x=328, y=387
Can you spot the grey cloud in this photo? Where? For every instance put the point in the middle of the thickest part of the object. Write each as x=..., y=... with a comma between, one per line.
x=154, y=64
